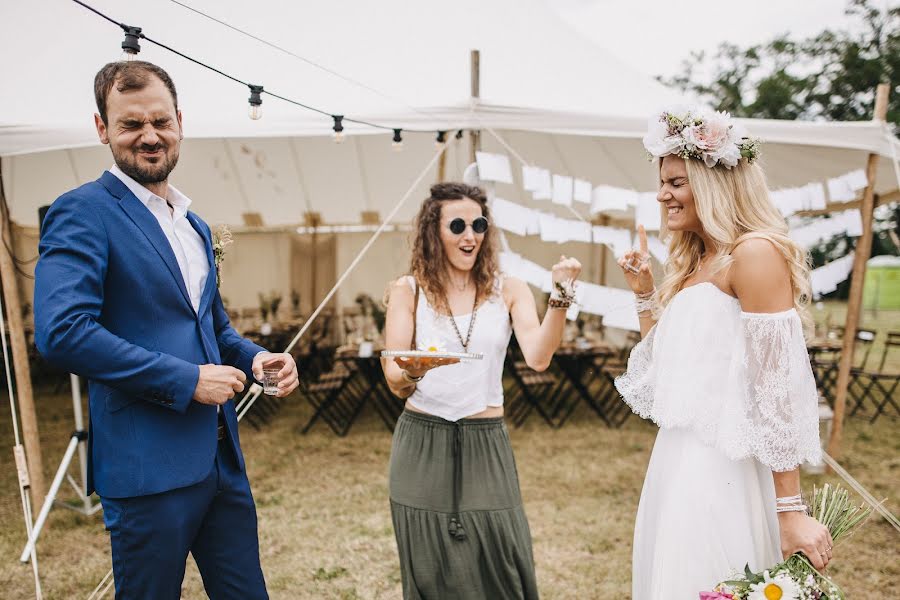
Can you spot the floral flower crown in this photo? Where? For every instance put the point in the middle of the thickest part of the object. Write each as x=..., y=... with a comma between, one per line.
x=702, y=135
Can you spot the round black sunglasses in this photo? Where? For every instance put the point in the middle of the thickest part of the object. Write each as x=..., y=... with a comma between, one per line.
x=479, y=225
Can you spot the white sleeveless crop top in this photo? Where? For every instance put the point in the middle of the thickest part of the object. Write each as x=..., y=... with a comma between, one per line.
x=453, y=392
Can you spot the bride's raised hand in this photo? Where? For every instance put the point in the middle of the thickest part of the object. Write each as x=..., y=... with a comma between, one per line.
x=636, y=266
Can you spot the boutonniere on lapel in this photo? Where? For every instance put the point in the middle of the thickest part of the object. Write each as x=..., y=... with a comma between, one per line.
x=220, y=240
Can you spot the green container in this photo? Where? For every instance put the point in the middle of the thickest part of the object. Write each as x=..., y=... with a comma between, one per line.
x=882, y=285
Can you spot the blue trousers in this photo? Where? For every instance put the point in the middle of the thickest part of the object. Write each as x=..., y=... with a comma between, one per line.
x=215, y=520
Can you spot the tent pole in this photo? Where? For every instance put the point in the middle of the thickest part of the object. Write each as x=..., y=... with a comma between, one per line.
x=474, y=135
x=20, y=358
x=313, y=220
x=442, y=168
x=604, y=220
x=314, y=271
x=863, y=250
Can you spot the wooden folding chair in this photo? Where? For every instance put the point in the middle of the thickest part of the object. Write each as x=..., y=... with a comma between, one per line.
x=325, y=396
x=862, y=349
x=616, y=409
x=532, y=390
x=885, y=383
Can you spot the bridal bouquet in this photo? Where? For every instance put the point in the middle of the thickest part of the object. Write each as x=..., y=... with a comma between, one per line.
x=796, y=578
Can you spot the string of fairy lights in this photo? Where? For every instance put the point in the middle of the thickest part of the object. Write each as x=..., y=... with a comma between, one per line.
x=131, y=48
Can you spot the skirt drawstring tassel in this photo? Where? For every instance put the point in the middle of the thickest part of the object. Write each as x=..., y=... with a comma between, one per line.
x=455, y=528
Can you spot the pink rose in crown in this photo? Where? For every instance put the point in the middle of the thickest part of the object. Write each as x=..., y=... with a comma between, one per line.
x=715, y=596
x=711, y=134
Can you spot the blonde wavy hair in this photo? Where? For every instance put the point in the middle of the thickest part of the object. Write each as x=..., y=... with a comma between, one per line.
x=733, y=205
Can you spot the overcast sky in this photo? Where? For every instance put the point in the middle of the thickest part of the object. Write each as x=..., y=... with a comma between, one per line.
x=656, y=35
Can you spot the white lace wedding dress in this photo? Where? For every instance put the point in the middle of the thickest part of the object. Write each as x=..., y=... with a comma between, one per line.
x=734, y=397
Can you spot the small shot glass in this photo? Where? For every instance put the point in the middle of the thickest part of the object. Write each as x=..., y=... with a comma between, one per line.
x=635, y=263
x=270, y=380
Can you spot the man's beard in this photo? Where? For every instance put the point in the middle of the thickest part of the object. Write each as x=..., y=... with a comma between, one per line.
x=151, y=173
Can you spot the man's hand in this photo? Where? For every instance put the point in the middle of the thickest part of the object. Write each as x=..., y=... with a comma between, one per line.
x=218, y=384
x=288, y=379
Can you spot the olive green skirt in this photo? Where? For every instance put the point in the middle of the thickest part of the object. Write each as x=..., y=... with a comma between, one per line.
x=457, y=511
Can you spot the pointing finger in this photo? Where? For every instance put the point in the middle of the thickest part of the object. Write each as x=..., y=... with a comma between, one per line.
x=642, y=235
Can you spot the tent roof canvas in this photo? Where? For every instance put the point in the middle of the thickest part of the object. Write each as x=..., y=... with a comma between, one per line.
x=411, y=56
x=561, y=101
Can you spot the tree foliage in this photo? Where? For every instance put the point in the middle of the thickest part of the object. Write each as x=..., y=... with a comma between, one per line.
x=830, y=76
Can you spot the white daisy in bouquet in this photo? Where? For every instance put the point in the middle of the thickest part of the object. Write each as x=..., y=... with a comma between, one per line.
x=780, y=587
x=796, y=578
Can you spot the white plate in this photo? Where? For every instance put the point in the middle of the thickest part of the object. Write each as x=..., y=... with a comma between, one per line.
x=427, y=354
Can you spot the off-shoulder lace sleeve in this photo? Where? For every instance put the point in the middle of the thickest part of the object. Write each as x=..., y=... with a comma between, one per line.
x=636, y=384
x=781, y=401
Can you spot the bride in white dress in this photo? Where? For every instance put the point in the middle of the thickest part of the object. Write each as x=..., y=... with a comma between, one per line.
x=722, y=369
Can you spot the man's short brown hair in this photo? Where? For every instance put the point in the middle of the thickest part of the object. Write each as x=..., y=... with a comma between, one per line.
x=128, y=76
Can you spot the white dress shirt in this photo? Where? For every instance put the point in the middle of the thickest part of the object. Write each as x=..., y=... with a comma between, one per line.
x=187, y=245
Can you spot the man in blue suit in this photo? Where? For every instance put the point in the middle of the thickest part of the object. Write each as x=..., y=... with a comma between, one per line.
x=126, y=295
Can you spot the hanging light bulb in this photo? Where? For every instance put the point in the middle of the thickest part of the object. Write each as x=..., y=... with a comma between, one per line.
x=131, y=44
x=255, y=101
x=441, y=139
x=338, y=128
x=397, y=143
x=459, y=134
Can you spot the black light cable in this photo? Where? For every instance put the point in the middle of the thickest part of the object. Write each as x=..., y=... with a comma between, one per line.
x=298, y=57
x=131, y=47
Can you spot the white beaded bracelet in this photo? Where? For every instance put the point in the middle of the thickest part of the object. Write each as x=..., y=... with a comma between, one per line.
x=790, y=504
x=791, y=508
x=645, y=302
x=789, y=499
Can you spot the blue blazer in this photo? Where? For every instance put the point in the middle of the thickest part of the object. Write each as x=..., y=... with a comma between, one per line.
x=110, y=304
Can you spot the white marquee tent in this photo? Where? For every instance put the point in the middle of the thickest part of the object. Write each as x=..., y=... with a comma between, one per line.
x=559, y=100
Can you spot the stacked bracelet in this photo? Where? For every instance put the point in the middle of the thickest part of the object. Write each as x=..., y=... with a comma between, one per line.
x=796, y=508
x=557, y=303
x=645, y=302
x=563, y=294
x=790, y=504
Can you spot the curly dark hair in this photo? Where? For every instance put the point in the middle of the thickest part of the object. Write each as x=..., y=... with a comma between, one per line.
x=428, y=263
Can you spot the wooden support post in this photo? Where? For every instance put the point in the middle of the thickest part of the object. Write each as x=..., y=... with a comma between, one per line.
x=475, y=136
x=603, y=250
x=442, y=168
x=27, y=414
x=863, y=249
x=313, y=219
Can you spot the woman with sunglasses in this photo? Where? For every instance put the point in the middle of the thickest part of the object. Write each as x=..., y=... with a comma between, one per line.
x=457, y=512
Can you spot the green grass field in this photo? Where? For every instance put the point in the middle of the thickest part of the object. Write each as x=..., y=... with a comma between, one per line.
x=325, y=526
